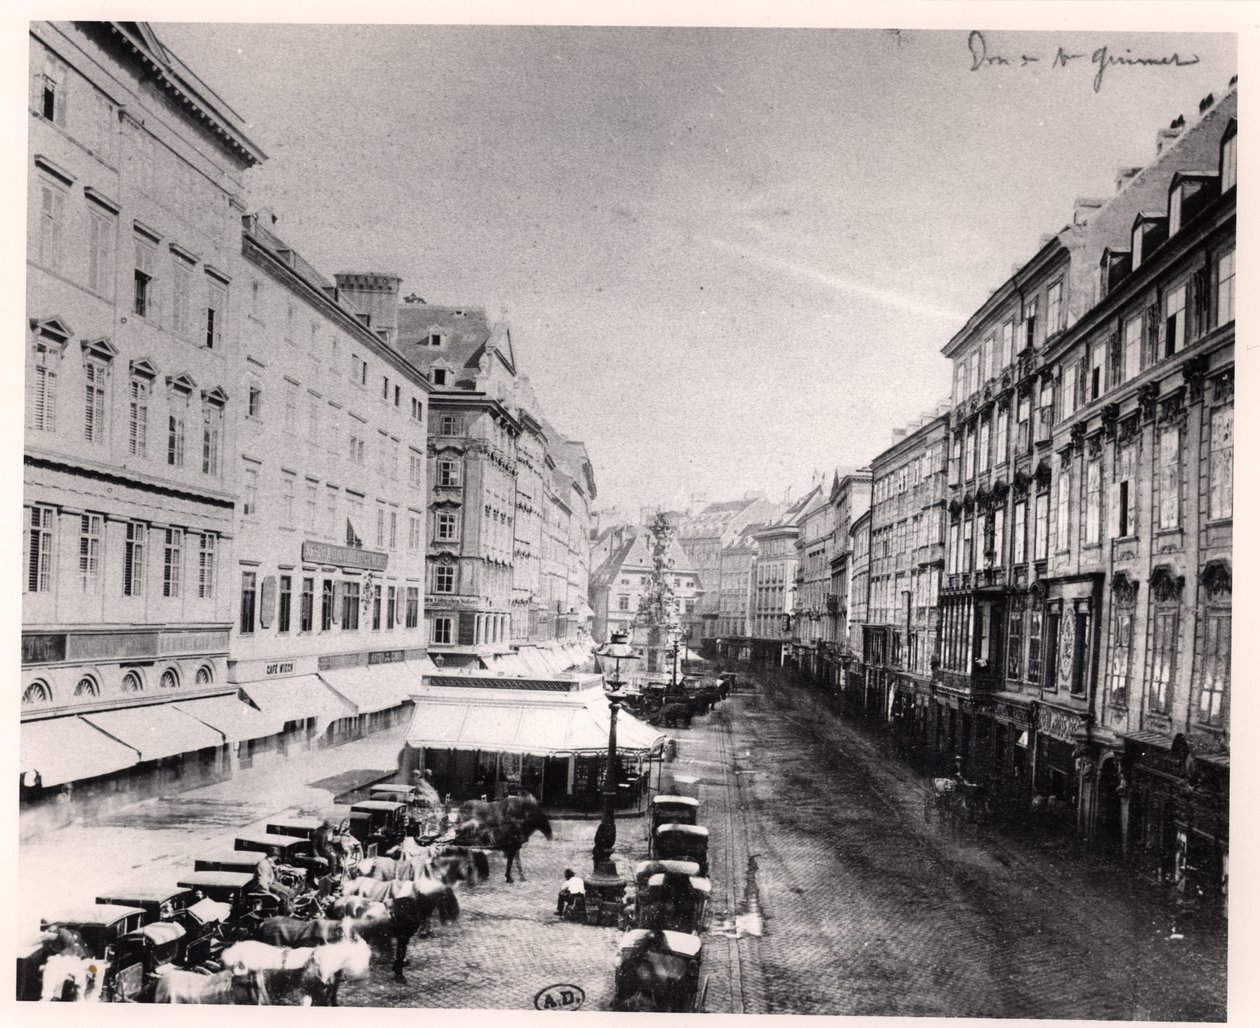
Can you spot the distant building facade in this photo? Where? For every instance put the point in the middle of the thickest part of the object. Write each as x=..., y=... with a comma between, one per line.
x=850, y=497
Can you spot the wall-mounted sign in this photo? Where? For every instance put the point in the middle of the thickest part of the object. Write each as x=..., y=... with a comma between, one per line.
x=281, y=667
x=560, y=997
x=386, y=656
x=43, y=648
x=315, y=552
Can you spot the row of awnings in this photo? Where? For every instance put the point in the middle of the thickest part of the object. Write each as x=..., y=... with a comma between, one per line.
x=80, y=746
x=540, y=661
x=541, y=724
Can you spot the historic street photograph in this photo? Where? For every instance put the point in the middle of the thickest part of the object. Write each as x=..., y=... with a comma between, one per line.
x=702, y=518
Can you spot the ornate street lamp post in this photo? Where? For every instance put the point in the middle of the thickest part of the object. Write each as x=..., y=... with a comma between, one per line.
x=606, y=833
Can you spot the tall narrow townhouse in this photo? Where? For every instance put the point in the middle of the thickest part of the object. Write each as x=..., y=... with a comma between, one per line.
x=328, y=578
x=133, y=207
x=850, y=497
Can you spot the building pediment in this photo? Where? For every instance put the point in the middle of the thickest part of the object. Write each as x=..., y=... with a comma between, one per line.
x=55, y=328
x=144, y=368
x=101, y=348
x=181, y=383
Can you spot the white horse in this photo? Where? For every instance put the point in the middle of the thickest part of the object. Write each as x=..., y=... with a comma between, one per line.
x=328, y=965
x=251, y=957
x=176, y=986
x=72, y=978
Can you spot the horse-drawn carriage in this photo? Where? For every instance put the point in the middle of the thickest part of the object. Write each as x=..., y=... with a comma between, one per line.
x=105, y=972
x=236, y=861
x=674, y=841
x=674, y=902
x=297, y=864
x=238, y=890
x=425, y=813
x=378, y=825
x=955, y=800
x=658, y=971
x=198, y=919
x=670, y=809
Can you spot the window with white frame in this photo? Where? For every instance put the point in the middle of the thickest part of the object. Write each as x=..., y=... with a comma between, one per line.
x=207, y=557
x=138, y=418
x=415, y=535
x=417, y=410
x=1229, y=161
x=443, y=630
x=448, y=472
x=254, y=404
x=413, y=607
x=415, y=468
x=172, y=562
x=1054, y=307
x=90, y=540
x=1225, y=288
x=287, y=482
x=1175, y=321
x=95, y=383
x=249, y=490
x=443, y=578
x=211, y=436
x=449, y=424
x=1063, y=502
x=447, y=528
x=176, y=428
x=39, y=549
x=313, y=407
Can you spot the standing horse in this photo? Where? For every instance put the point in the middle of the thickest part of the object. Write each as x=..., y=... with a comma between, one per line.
x=328, y=966
x=67, y=978
x=176, y=986
x=504, y=825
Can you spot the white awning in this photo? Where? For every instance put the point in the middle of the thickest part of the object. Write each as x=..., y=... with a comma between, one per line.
x=235, y=719
x=549, y=724
x=158, y=730
x=67, y=749
x=297, y=698
x=531, y=661
x=372, y=688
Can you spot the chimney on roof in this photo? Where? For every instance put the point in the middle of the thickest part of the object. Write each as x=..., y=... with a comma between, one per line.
x=1084, y=208
x=1124, y=176
x=1166, y=137
x=1233, y=81
x=898, y=435
x=376, y=295
x=1206, y=102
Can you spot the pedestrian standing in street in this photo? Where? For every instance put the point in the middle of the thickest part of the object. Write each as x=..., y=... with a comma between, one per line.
x=569, y=892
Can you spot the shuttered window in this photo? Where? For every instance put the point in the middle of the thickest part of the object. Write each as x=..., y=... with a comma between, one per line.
x=39, y=550
x=211, y=434
x=101, y=253
x=52, y=213
x=133, y=559
x=215, y=312
x=90, y=552
x=44, y=399
x=172, y=562
x=145, y=289
x=175, y=435
x=95, y=379
x=207, y=553
x=181, y=296
x=138, y=419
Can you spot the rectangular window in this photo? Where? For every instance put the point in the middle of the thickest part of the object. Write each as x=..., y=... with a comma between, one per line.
x=1034, y=646
x=623, y=602
x=326, y=606
x=1124, y=492
x=306, y=609
x=101, y=253
x=39, y=550
x=138, y=419
x=999, y=536
x=1003, y=432
x=417, y=410
x=968, y=544
x=206, y=557
x=145, y=299
x=1097, y=368
x=249, y=601
x=415, y=469
x=1170, y=477
x=90, y=526
x=448, y=424
x=311, y=522
x=1030, y=323
x=1175, y=200
x=391, y=606
x=172, y=562
x=385, y=388
x=448, y=472
x=1054, y=308
x=1132, y=348
x=1041, y=525
x=331, y=527
x=287, y=481
x=1023, y=415
x=985, y=424
x=1164, y=625
x=413, y=606
x=290, y=406
x=44, y=398
x=1221, y=463
x=443, y=630
x=175, y=433
x=1015, y=644
x=969, y=454
x=1020, y=526
x=1229, y=164
x=1008, y=342
x=50, y=95
x=376, y=608
x=1175, y=320
x=393, y=529
x=1225, y=288
x=313, y=405
x=51, y=225
x=211, y=434
x=986, y=358
x=181, y=295
x=1093, y=502
x=95, y=379
x=1121, y=662
x=380, y=527
x=443, y=579
x=1214, y=686
x=1063, y=500
x=286, y=604
x=254, y=409
x=414, y=532
x=350, y=600
x=216, y=312
x=249, y=491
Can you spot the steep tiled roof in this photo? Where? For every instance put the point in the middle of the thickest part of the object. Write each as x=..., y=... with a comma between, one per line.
x=464, y=331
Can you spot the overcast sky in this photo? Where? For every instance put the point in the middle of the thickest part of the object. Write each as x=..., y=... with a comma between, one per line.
x=728, y=257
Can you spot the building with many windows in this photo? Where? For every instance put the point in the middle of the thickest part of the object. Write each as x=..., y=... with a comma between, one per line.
x=735, y=595
x=129, y=486
x=772, y=598
x=1086, y=611
x=811, y=626
x=850, y=497
x=623, y=580
x=329, y=562
x=907, y=554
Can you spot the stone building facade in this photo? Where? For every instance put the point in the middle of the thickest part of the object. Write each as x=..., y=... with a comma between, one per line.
x=850, y=497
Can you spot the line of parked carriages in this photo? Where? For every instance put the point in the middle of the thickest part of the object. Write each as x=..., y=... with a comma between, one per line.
x=112, y=951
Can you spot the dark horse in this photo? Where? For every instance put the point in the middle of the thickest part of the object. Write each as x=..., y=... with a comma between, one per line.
x=409, y=912
x=504, y=825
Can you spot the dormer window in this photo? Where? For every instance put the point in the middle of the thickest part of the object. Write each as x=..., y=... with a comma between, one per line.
x=435, y=338
x=438, y=376
x=1229, y=158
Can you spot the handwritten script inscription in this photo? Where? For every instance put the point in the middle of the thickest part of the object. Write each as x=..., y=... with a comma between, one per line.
x=984, y=56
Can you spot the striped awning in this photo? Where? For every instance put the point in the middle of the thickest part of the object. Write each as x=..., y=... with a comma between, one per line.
x=68, y=749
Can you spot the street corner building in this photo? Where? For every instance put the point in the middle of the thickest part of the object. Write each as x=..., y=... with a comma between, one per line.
x=260, y=503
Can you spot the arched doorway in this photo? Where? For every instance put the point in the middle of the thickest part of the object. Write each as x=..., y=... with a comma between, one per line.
x=1109, y=827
